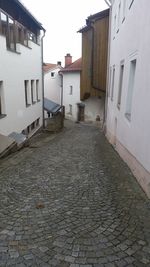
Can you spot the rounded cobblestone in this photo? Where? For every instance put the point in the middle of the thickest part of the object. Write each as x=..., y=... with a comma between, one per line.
x=72, y=202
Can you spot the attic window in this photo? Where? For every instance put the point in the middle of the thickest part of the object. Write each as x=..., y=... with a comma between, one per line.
x=52, y=74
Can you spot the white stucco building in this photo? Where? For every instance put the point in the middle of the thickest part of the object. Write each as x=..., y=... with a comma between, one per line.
x=52, y=81
x=128, y=108
x=71, y=87
x=21, y=97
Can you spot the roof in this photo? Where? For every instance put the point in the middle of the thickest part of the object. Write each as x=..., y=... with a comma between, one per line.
x=93, y=18
x=50, y=66
x=24, y=9
x=75, y=66
x=51, y=106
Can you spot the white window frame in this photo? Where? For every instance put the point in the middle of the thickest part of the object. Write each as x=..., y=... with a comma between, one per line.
x=27, y=93
x=131, y=84
x=121, y=76
x=113, y=82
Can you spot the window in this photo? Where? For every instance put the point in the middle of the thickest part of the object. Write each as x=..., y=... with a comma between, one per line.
x=118, y=23
x=37, y=91
x=71, y=90
x=2, y=115
x=120, y=85
x=52, y=74
x=130, y=3
x=112, y=86
x=15, y=32
x=11, y=36
x=33, y=96
x=114, y=26
x=70, y=109
x=123, y=10
x=130, y=89
x=27, y=93
x=3, y=24
x=37, y=122
x=33, y=126
x=109, y=84
x=8, y=30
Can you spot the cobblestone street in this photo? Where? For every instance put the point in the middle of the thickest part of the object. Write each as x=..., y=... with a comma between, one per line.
x=70, y=201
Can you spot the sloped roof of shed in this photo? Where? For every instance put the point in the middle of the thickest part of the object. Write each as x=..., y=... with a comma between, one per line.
x=51, y=106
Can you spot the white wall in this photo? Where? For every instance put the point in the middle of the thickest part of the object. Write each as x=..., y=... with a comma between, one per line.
x=94, y=107
x=71, y=79
x=129, y=43
x=14, y=69
x=52, y=85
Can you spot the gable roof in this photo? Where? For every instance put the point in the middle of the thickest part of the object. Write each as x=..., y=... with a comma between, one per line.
x=50, y=66
x=75, y=66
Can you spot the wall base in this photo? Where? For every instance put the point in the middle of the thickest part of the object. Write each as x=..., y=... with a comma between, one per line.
x=140, y=173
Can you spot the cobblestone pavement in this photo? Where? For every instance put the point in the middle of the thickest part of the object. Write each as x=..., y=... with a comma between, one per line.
x=70, y=201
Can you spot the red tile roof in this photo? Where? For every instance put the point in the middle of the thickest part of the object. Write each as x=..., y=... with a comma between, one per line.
x=75, y=66
x=49, y=66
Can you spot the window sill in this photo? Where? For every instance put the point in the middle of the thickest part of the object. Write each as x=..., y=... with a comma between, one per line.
x=13, y=51
x=2, y=116
x=25, y=46
x=34, y=42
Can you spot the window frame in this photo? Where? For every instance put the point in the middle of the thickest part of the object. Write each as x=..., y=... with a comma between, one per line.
x=121, y=77
x=113, y=82
x=131, y=85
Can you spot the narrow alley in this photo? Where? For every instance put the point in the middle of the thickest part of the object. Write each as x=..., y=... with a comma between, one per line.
x=70, y=201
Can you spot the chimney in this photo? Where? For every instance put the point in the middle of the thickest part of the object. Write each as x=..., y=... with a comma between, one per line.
x=68, y=60
x=59, y=63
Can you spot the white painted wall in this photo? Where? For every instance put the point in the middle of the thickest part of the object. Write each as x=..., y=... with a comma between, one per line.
x=52, y=85
x=14, y=69
x=132, y=41
x=71, y=79
x=94, y=107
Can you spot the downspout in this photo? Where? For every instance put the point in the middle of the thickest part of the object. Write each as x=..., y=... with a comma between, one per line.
x=42, y=77
x=108, y=2
x=61, y=85
x=108, y=73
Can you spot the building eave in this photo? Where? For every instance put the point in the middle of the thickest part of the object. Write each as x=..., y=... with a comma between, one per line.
x=24, y=9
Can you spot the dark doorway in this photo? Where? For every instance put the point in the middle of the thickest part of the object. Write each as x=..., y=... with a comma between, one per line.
x=81, y=108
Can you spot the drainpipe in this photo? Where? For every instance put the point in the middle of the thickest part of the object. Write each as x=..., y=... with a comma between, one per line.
x=42, y=76
x=61, y=85
x=108, y=73
x=108, y=2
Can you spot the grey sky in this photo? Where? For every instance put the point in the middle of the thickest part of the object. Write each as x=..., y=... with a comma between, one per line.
x=62, y=19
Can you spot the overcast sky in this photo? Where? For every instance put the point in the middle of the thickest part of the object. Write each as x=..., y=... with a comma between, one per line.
x=62, y=19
